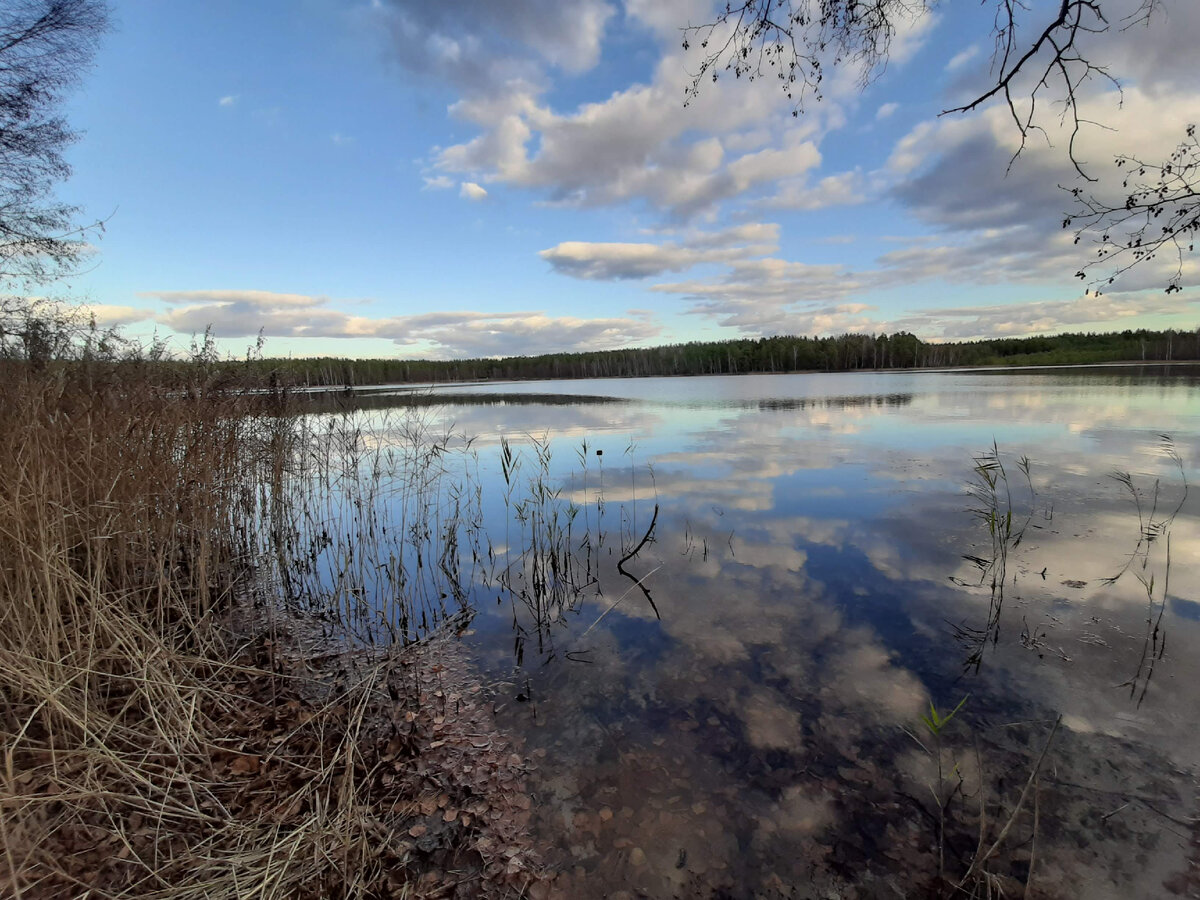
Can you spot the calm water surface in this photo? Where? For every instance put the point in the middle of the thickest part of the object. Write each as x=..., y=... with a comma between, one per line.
x=746, y=719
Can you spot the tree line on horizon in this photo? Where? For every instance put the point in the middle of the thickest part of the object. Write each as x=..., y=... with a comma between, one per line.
x=785, y=353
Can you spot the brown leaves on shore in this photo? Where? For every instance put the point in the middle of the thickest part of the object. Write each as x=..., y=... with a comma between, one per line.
x=373, y=774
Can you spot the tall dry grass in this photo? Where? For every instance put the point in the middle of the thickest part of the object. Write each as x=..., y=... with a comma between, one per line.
x=148, y=748
x=119, y=541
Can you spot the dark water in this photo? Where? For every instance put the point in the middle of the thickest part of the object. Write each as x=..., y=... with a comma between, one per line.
x=746, y=721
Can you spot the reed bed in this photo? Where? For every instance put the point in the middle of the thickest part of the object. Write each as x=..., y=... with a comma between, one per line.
x=371, y=523
x=167, y=728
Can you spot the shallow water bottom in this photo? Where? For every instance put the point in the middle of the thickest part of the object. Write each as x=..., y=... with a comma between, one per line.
x=703, y=809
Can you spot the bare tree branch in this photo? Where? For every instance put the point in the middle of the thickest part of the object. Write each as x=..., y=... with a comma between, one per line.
x=1159, y=213
x=1055, y=52
x=796, y=41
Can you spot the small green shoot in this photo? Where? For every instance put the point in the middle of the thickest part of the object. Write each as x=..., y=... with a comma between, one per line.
x=936, y=722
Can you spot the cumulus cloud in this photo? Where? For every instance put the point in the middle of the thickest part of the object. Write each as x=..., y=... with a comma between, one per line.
x=998, y=206
x=886, y=111
x=539, y=333
x=773, y=164
x=772, y=281
x=666, y=17
x=756, y=294
x=913, y=28
x=615, y=261
x=232, y=313
x=1153, y=53
x=619, y=261
x=471, y=191
x=844, y=189
x=482, y=49
x=774, y=296
x=754, y=237
x=990, y=223
x=640, y=144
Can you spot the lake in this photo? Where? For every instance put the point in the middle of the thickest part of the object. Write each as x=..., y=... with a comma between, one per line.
x=718, y=611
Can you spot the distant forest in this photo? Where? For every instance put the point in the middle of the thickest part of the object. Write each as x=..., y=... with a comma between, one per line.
x=846, y=352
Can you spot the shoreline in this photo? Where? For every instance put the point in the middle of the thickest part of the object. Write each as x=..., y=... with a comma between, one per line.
x=434, y=387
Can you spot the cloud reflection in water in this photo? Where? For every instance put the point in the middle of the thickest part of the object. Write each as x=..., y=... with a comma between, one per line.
x=758, y=736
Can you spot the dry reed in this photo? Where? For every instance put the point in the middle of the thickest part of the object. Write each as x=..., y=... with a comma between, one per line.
x=148, y=749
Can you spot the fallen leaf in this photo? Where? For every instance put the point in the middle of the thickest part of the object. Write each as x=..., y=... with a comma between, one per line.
x=245, y=765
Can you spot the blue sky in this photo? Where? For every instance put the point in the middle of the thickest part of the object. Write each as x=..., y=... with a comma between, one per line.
x=386, y=178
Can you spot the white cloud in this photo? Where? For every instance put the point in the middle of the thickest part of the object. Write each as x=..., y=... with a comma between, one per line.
x=774, y=296
x=999, y=223
x=750, y=238
x=617, y=261
x=773, y=164
x=437, y=182
x=233, y=313
x=1004, y=224
x=341, y=140
x=666, y=17
x=251, y=298
x=913, y=29
x=962, y=57
x=471, y=191
x=844, y=189
x=228, y=100
x=110, y=316
x=640, y=144
x=1155, y=55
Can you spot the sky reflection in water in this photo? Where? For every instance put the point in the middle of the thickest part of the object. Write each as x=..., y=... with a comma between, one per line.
x=763, y=738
